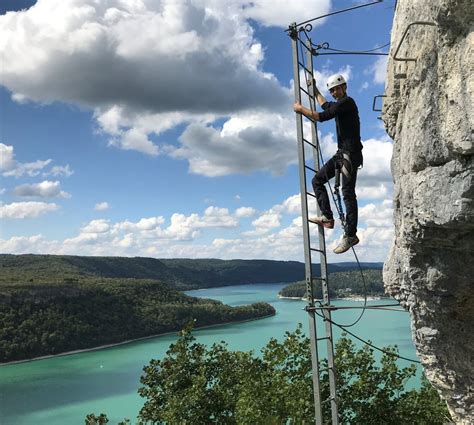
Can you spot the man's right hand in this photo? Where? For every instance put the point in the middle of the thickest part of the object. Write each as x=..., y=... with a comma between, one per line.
x=300, y=109
x=297, y=107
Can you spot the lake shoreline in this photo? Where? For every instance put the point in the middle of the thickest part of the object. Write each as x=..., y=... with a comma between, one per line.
x=128, y=341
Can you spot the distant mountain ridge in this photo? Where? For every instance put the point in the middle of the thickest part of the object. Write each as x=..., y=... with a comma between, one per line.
x=181, y=274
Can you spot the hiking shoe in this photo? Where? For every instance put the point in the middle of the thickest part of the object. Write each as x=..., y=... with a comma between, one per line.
x=346, y=243
x=328, y=223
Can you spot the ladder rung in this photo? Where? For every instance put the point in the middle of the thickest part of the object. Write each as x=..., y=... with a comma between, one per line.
x=328, y=399
x=309, y=95
x=322, y=338
x=310, y=49
x=305, y=68
x=310, y=168
x=311, y=221
x=327, y=308
x=319, y=278
x=318, y=250
x=311, y=194
x=310, y=143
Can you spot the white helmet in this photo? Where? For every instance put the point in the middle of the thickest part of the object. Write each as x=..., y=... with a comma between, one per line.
x=335, y=80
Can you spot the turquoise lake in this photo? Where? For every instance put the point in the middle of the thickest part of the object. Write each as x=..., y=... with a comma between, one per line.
x=63, y=390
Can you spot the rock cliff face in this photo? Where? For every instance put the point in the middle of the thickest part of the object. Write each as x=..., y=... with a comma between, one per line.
x=428, y=113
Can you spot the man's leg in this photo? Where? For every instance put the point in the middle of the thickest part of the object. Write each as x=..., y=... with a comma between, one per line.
x=326, y=173
x=350, y=200
x=349, y=177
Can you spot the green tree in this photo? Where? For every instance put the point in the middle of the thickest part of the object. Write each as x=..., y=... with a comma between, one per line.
x=194, y=384
x=92, y=419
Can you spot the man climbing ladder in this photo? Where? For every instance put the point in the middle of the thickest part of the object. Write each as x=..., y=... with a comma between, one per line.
x=347, y=159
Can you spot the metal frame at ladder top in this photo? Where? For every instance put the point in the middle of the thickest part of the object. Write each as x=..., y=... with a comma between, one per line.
x=311, y=279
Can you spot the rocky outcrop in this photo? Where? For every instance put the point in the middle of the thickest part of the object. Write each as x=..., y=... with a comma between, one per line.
x=428, y=113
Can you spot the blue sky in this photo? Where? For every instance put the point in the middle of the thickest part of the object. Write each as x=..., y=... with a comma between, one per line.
x=165, y=128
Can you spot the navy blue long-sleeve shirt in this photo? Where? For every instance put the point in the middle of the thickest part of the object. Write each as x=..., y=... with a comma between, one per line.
x=346, y=115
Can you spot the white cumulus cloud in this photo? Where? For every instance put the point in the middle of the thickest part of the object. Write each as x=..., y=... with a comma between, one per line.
x=377, y=157
x=9, y=167
x=96, y=226
x=102, y=206
x=291, y=205
x=21, y=210
x=44, y=189
x=163, y=61
x=245, y=212
x=244, y=144
x=60, y=170
x=181, y=235
x=379, y=69
x=377, y=215
x=281, y=12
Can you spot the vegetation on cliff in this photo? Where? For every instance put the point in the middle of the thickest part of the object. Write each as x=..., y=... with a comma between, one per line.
x=342, y=284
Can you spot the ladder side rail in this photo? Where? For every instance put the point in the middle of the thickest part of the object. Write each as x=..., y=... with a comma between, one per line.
x=306, y=239
x=332, y=373
x=323, y=261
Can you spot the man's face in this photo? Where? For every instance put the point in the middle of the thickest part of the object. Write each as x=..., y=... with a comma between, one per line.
x=338, y=92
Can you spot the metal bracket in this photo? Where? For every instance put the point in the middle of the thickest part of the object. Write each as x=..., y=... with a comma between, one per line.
x=293, y=31
x=403, y=38
x=375, y=99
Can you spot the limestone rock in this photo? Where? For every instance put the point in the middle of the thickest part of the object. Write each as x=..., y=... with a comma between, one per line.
x=429, y=115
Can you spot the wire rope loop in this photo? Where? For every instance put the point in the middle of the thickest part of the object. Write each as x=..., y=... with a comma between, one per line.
x=305, y=33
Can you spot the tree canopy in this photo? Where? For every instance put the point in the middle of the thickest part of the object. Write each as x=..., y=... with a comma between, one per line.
x=196, y=384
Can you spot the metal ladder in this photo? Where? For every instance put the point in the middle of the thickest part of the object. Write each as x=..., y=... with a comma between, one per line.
x=320, y=246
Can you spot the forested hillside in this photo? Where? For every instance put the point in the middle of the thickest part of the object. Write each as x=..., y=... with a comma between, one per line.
x=180, y=273
x=55, y=304
x=41, y=319
x=51, y=304
x=342, y=284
